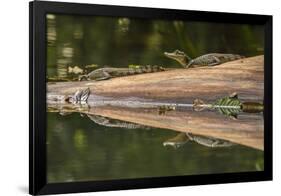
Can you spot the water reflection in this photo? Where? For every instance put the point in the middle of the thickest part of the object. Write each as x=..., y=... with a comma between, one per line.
x=83, y=150
x=247, y=129
x=51, y=29
x=211, y=142
x=123, y=25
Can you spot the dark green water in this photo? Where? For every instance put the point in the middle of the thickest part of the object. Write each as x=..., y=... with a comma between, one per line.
x=80, y=150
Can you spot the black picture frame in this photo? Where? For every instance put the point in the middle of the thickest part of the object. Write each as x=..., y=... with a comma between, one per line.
x=37, y=97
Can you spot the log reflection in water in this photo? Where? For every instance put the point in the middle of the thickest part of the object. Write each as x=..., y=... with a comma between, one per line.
x=246, y=130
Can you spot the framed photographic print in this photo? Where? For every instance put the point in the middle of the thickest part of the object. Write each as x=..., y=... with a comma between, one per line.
x=127, y=97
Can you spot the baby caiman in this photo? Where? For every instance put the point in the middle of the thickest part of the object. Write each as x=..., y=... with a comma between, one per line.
x=111, y=72
x=204, y=60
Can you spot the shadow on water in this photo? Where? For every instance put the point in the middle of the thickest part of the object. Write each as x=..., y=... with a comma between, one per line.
x=79, y=149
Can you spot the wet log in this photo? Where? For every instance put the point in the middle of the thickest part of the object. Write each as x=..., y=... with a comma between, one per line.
x=245, y=76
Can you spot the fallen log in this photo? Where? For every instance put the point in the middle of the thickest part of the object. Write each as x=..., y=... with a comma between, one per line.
x=245, y=76
x=122, y=98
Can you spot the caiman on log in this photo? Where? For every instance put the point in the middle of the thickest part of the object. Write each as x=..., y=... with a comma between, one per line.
x=204, y=60
x=111, y=72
